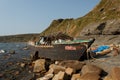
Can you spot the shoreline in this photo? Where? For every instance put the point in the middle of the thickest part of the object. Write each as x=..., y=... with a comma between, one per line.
x=17, y=67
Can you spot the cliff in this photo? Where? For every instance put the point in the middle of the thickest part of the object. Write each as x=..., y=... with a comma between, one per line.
x=104, y=19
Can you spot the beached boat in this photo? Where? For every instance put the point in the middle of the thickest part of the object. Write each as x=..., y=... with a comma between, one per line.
x=64, y=50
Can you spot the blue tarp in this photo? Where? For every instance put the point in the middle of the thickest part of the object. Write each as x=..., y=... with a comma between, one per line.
x=101, y=48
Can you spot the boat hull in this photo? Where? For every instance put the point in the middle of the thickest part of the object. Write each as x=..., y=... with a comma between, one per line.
x=75, y=51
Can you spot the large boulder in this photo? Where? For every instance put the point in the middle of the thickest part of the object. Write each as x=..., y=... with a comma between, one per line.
x=60, y=76
x=115, y=73
x=89, y=68
x=56, y=68
x=75, y=65
x=39, y=65
x=108, y=77
x=90, y=76
x=69, y=71
x=75, y=77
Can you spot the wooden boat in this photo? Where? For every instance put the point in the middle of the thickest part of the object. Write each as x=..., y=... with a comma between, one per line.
x=66, y=50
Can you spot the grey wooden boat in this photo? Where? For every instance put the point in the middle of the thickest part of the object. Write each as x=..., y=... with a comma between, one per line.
x=73, y=50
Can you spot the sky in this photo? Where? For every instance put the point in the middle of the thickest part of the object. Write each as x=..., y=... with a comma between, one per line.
x=34, y=16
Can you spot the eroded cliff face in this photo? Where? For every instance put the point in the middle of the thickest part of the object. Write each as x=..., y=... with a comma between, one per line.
x=104, y=19
x=108, y=27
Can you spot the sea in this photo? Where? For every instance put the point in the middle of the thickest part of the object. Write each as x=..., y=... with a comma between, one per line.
x=21, y=51
x=10, y=63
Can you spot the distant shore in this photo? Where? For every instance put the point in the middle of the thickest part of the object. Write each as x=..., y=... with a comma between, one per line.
x=18, y=38
x=100, y=39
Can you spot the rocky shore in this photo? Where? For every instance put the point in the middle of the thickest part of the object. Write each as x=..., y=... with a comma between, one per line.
x=20, y=66
x=103, y=68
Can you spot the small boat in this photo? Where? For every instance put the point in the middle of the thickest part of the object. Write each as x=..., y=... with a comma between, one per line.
x=64, y=49
x=61, y=47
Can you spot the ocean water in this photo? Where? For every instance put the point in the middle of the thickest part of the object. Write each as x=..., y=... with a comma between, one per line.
x=10, y=63
x=20, y=52
x=12, y=46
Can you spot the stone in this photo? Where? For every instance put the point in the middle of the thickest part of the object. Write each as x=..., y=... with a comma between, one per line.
x=69, y=71
x=1, y=75
x=76, y=65
x=22, y=64
x=49, y=76
x=60, y=76
x=109, y=29
x=48, y=63
x=12, y=51
x=39, y=65
x=55, y=77
x=91, y=69
x=76, y=77
x=17, y=73
x=108, y=77
x=10, y=63
x=105, y=28
x=50, y=71
x=46, y=77
x=56, y=68
x=115, y=51
x=90, y=76
x=34, y=56
x=56, y=62
x=115, y=73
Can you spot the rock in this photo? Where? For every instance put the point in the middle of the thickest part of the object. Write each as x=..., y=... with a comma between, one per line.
x=46, y=77
x=39, y=65
x=10, y=63
x=49, y=75
x=56, y=68
x=76, y=77
x=34, y=56
x=29, y=71
x=76, y=65
x=115, y=73
x=12, y=51
x=91, y=69
x=17, y=73
x=90, y=76
x=109, y=27
x=108, y=78
x=50, y=71
x=48, y=63
x=115, y=51
x=69, y=71
x=2, y=51
x=56, y=62
x=26, y=48
x=22, y=64
x=60, y=76
x=1, y=75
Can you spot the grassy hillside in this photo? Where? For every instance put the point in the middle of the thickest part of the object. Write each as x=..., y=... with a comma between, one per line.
x=105, y=10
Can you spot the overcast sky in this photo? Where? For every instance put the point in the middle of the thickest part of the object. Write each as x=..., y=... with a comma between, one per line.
x=34, y=16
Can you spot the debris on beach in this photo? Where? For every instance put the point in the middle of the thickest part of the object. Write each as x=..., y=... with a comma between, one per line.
x=2, y=51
